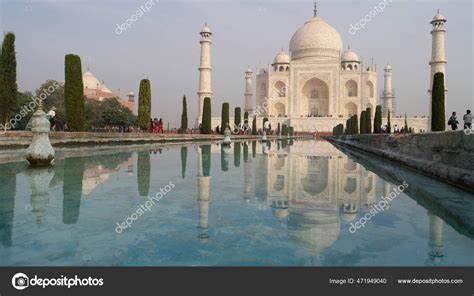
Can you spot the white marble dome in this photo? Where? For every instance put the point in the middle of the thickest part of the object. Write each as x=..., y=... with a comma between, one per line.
x=315, y=38
x=282, y=58
x=439, y=17
x=349, y=56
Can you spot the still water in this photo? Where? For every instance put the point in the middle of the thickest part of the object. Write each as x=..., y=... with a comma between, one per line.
x=278, y=204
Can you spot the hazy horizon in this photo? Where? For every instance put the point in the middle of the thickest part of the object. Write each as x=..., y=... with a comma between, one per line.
x=163, y=45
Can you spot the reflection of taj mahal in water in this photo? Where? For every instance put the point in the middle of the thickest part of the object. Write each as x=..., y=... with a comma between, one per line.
x=314, y=190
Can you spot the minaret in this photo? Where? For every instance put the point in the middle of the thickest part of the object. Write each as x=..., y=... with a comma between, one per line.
x=387, y=95
x=438, y=57
x=205, y=69
x=248, y=91
x=131, y=99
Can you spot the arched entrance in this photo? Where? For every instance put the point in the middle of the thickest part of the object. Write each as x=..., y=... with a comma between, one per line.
x=315, y=98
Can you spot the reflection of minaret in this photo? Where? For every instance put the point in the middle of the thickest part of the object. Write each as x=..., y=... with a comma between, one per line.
x=39, y=180
x=438, y=58
x=436, y=238
x=261, y=175
x=386, y=193
x=205, y=89
x=7, y=204
x=248, y=91
x=247, y=173
x=72, y=189
x=387, y=95
x=204, y=180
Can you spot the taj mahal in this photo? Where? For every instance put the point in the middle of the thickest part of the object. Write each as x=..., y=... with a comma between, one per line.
x=319, y=83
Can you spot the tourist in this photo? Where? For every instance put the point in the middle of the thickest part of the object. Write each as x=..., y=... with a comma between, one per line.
x=453, y=122
x=217, y=130
x=467, y=120
x=51, y=114
x=155, y=126
x=150, y=128
x=160, y=126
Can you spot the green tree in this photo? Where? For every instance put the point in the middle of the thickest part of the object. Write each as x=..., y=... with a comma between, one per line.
x=144, y=105
x=368, y=120
x=8, y=85
x=224, y=117
x=74, y=94
x=254, y=126
x=206, y=116
x=378, y=120
x=389, y=124
x=438, y=112
x=237, y=118
x=355, y=123
x=184, y=116
x=363, y=122
x=406, y=129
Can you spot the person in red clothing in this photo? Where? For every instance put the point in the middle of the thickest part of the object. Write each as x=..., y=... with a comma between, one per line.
x=160, y=126
x=155, y=126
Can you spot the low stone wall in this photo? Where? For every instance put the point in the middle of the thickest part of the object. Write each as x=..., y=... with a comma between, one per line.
x=446, y=156
x=22, y=139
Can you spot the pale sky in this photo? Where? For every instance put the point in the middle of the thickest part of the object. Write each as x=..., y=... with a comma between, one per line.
x=163, y=45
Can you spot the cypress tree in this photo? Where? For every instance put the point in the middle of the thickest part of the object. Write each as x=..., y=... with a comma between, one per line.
x=184, y=116
x=144, y=105
x=74, y=100
x=438, y=112
x=368, y=119
x=378, y=120
x=389, y=124
x=254, y=126
x=349, y=126
x=237, y=117
x=356, y=124
x=206, y=116
x=246, y=119
x=278, y=129
x=406, y=128
x=363, y=122
x=8, y=85
x=224, y=117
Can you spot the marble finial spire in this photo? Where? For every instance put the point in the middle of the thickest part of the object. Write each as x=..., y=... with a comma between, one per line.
x=315, y=8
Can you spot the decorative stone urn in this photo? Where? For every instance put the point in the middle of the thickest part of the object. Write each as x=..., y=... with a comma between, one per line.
x=227, y=140
x=40, y=152
x=264, y=138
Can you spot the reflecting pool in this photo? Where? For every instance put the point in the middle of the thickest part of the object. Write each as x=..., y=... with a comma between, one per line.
x=282, y=203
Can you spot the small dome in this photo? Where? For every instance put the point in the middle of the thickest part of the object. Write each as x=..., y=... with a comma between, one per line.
x=439, y=17
x=282, y=58
x=206, y=29
x=315, y=38
x=249, y=70
x=131, y=93
x=349, y=56
x=388, y=67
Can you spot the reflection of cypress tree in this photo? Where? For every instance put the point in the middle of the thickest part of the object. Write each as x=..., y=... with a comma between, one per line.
x=72, y=189
x=143, y=173
x=254, y=149
x=7, y=203
x=206, y=160
x=184, y=157
x=246, y=152
x=224, y=161
x=237, y=154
